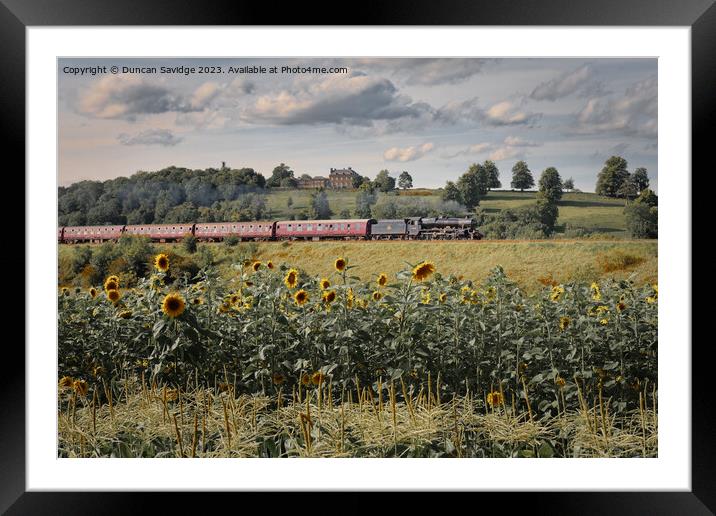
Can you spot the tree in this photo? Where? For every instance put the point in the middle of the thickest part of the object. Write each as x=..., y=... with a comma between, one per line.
x=522, y=177
x=451, y=192
x=493, y=174
x=405, y=180
x=470, y=187
x=482, y=177
x=359, y=180
x=280, y=173
x=384, y=182
x=628, y=190
x=319, y=207
x=612, y=176
x=568, y=184
x=642, y=220
x=648, y=197
x=547, y=211
x=640, y=179
x=550, y=184
x=364, y=200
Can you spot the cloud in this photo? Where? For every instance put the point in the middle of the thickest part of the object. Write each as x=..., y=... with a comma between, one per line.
x=340, y=99
x=128, y=97
x=505, y=152
x=407, y=153
x=512, y=146
x=423, y=71
x=567, y=84
x=163, y=137
x=635, y=113
x=508, y=112
x=503, y=113
x=516, y=141
x=204, y=94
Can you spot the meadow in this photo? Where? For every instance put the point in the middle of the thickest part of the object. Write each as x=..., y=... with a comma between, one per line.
x=275, y=360
x=589, y=211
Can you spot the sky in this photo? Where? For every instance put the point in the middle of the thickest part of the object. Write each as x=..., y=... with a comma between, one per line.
x=432, y=117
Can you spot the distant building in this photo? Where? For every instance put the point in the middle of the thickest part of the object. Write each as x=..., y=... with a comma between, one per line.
x=313, y=182
x=342, y=178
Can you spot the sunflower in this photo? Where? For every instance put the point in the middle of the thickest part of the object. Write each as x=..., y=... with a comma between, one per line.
x=197, y=301
x=125, y=314
x=350, y=298
x=301, y=297
x=560, y=382
x=557, y=292
x=621, y=306
x=382, y=279
x=80, y=387
x=651, y=300
x=494, y=398
x=490, y=293
x=65, y=291
x=161, y=262
x=269, y=264
x=65, y=382
x=93, y=292
x=564, y=323
x=234, y=298
x=256, y=266
x=423, y=271
x=97, y=371
x=305, y=379
x=340, y=264
x=317, y=378
x=277, y=379
x=329, y=296
x=377, y=296
x=324, y=284
x=113, y=295
x=111, y=283
x=442, y=297
x=425, y=297
x=604, y=322
x=173, y=305
x=596, y=293
x=291, y=279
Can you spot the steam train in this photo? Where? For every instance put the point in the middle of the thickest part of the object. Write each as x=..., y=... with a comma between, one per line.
x=414, y=228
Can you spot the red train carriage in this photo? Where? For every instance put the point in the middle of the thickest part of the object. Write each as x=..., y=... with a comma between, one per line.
x=161, y=232
x=323, y=229
x=214, y=231
x=60, y=232
x=91, y=233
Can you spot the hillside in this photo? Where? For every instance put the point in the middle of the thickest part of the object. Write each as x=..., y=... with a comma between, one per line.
x=583, y=210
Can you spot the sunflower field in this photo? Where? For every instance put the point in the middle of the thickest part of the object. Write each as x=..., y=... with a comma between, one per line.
x=274, y=362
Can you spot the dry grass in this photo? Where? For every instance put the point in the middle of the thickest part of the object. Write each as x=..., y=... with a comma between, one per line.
x=525, y=262
x=146, y=422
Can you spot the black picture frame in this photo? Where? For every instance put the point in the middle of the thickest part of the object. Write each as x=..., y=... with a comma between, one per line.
x=700, y=15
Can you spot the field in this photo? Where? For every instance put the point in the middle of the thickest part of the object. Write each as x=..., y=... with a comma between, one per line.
x=589, y=211
x=271, y=360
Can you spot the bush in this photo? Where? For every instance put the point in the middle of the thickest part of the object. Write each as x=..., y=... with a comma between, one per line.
x=642, y=220
x=189, y=243
x=231, y=241
x=138, y=251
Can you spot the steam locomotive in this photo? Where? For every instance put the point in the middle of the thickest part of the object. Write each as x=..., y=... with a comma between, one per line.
x=413, y=228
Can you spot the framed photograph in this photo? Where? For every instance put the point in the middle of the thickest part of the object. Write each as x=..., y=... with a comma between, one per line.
x=440, y=233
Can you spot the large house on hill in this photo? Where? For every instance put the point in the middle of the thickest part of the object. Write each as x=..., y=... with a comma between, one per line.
x=337, y=179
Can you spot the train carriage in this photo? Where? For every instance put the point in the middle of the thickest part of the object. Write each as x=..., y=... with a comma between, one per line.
x=161, y=232
x=345, y=229
x=90, y=234
x=216, y=231
x=389, y=229
x=60, y=232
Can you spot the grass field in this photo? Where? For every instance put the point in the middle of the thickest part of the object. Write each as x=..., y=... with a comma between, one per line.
x=576, y=210
x=529, y=263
